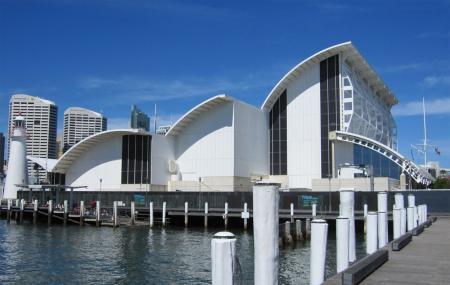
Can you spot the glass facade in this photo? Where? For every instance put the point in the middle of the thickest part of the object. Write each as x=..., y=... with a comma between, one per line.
x=139, y=120
x=382, y=166
x=136, y=159
x=278, y=136
x=55, y=178
x=329, y=109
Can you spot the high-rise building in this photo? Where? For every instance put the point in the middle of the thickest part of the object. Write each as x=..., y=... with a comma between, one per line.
x=2, y=153
x=80, y=123
x=40, y=122
x=139, y=120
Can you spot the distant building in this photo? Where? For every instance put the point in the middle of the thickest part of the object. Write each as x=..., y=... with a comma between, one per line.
x=40, y=122
x=80, y=123
x=2, y=153
x=162, y=130
x=139, y=120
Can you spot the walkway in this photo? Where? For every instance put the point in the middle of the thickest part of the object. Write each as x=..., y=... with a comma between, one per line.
x=426, y=260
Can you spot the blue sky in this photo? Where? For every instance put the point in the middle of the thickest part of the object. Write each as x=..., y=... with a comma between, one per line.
x=108, y=54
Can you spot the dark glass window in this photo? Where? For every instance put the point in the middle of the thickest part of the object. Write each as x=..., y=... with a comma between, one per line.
x=278, y=136
x=136, y=153
x=329, y=109
x=382, y=166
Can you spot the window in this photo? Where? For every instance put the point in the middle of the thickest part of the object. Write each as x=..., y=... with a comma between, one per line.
x=347, y=93
x=136, y=159
x=348, y=106
x=278, y=136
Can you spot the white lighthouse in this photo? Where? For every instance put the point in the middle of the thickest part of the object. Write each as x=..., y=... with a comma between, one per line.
x=17, y=163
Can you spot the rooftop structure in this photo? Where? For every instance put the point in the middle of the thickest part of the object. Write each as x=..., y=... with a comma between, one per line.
x=139, y=120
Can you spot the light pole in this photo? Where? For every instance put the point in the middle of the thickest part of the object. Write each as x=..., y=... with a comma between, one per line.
x=329, y=193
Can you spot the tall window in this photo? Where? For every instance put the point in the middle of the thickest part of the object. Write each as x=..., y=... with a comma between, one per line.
x=329, y=109
x=136, y=159
x=278, y=137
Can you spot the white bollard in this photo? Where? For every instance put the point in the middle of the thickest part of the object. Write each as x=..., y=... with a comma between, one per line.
x=266, y=232
x=35, y=205
x=82, y=208
x=399, y=201
x=50, y=206
x=419, y=214
x=66, y=208
x=151, y=214
x=411, y=200
x=397, y=217
x=416, y=217
x=245, y=215
x=186, y=210
x=410, y=217
x=342, y=225
x=115, y=214
x=426, y=212
x=382, y=241
x=347, y=202
x=403, y=222
x=22, y=204
x=372, y=232
x=206, y=215
x=314, y=210
x=383, y=208
x=164, y=214
x=319, y=231
x=223, y=250
x=292, y=211
x=97, y=212
x=133, y=212
x=225, y=214
x=366, y=210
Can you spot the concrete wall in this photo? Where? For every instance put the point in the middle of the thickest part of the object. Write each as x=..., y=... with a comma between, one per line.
x=303, y=128
x=359, y=184
x=103, y=160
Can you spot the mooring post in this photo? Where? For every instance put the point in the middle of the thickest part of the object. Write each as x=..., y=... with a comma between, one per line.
x=133, y=213
x=50, y=212
x=314, y=210
x=16, y=213
x=383, y=208
x=206, y=215
x=342, y=230
x=319, y=231
x=399, y=201
x=223, y=250
x=22, y=206
x=66, y=212
x=410, y=217
x=382, y=241
x=186, y=212
x=164, y=214
x=419, y=215
x=35, y=211
x=372, y=232
x=366, y=210
x=411, y=200
x=403, y=222
x=225, y=215
x=308, y=228
x=81, y=213
x=265, y=227
x=298, y=230
x=97, y=213
x=397, y=217
x=287, y=237
x=347, y=202
x=151, y=214
x=292, y=212
x=115, y=214
x=8, y=213
x=245, y=216
x=415, y=217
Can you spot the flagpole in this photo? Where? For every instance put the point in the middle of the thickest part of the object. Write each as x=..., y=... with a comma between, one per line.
x=425, y=143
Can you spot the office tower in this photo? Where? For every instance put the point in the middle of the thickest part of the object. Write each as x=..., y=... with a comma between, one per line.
x=139, y=120
x=80, y=123
x=40, y=122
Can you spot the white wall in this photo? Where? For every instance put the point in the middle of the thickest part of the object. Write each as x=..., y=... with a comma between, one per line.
x=205, y=147
x=303, y=128
x=103, y=160
x=251, y=135
x=162, y=152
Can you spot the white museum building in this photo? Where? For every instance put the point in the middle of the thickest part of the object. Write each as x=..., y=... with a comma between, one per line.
x=326, y=123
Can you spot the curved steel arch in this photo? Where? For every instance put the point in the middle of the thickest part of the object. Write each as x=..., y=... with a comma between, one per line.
x=409, y=167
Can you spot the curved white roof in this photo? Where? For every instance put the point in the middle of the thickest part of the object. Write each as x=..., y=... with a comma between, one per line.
x=82, y=110
x=352, y=57
x=195, y=112
x=76, y=150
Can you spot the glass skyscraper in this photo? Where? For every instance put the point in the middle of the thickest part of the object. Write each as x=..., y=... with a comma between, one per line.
x=139, y=120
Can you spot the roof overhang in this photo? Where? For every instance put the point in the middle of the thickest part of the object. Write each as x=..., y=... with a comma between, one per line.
x=352, y=57
x=197, y=111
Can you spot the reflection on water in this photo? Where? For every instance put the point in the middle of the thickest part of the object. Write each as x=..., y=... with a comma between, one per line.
x=73, y=255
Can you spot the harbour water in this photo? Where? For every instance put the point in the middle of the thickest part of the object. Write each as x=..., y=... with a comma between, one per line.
x=89, y=255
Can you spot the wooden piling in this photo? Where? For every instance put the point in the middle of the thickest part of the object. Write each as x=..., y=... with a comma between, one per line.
x=298, y=230
x=97, y=213
x=245, y=215
x=81, y=213
x=133, y=213
x=8, y=214
x=206, y=215
x=50, y=212
x=164, y=214
x=66, y=212
x=22, y=206
x=287, y=237
x=225, y=215
x=115, y=214
x=308, y=228
x=151, y=214
x=186, y=210
x=35, y=211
